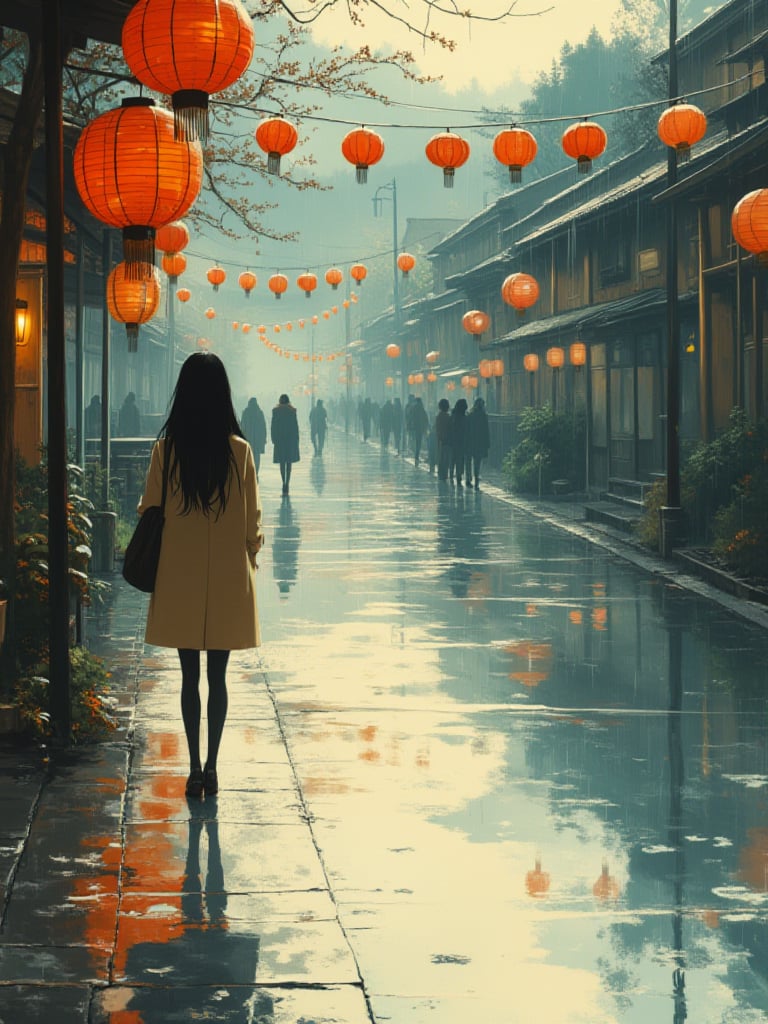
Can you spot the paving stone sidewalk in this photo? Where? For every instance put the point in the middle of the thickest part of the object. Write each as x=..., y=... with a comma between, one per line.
x=122, y=902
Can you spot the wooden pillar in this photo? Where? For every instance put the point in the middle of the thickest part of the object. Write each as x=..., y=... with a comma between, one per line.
x=705, y=331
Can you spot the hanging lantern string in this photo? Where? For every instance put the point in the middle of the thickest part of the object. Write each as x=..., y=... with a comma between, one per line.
x=299, y=268
x=523, y=120
x=508, y=117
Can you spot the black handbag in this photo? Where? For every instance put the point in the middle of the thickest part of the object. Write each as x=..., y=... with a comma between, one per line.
x=142, y=555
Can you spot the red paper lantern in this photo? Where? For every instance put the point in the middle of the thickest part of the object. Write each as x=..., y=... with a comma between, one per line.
x=431, y=376
x=363, y=148
x=520, y=291
x=485, y=368
x=235, y=325
x=680, y=127
x=406, y=263
x=584, y=141
x=418, y=378
x=358, y=272
x=183, y=294
x=131, y=300
x=432, y=357
x=389, y=381
x=315, y=319
x=393, y=350
x=475, y=321
x=247, y=282
x=132, y=174
x=326, y=314
x=188, y=51
x=334, y=277
x=276, y=137
x=216, y=276
x=278, y=283
x=449, y=151
x=577, y=354
x=307, y=282
x=174, y=264
x=515, y=148
x=531, y=362
x=497, y=365
x=210, y=313
x=749, y=223
x=555, y=357
x=172, y=238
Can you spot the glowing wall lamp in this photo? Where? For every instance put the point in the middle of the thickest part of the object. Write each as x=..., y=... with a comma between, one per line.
x=23, y=321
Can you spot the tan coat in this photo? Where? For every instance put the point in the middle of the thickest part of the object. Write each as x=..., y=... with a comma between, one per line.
x=205, y=593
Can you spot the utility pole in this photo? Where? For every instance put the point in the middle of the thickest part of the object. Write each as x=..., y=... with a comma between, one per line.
x=396, y=319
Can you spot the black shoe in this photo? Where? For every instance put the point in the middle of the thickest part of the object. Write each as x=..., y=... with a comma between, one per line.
x=195, y=782
x=210, y=781
x=285, y=489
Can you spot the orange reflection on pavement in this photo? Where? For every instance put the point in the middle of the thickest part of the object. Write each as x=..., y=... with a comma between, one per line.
x=606, y=887
x=537, y=881
x=753, y=860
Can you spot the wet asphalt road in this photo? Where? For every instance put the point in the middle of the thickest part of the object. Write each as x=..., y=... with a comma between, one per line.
x=480, y=770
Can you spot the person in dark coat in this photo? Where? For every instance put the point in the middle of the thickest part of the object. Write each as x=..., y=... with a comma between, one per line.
x=93, y=417
x=458, y=440
x=254, y=426
x=129, y=419
x=397, y=424
x=385, y=423
x=419, y=426
x=442, y=432
x=366, y=414
x=318, y=424
x=478, y=441
x=284, y=432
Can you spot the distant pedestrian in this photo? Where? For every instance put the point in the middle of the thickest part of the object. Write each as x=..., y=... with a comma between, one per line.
x=318, y=425
x=397, y=424
x=254, y=425
x=284, y=432
x=478, y=441
x=93, y=418
x=442, y=434
x=205, y=594
x=385, y=423
x=458, y=440
x=366, y=414
x=129, y=418
x=419, y=427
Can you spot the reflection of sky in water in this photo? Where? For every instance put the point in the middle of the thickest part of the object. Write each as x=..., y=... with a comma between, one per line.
x=478, y=699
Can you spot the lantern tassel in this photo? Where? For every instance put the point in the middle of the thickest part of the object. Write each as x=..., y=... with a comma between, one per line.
x=448, y=173
x=190, y=115
x=139, y=252
x=584, y=165
x=515, y=174
x=273, y=163
x=683, y=153
x=362, y=174
x=132, y=330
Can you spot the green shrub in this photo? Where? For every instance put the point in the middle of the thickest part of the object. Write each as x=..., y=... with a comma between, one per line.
x=741, y=527
x=551, y=447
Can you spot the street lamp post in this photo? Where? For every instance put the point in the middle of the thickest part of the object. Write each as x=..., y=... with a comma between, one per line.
x=377, y=200
x=671, y=513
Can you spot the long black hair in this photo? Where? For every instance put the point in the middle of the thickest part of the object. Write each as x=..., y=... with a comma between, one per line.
x=197, y=433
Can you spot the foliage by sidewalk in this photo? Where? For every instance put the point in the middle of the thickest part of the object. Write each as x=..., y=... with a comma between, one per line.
x=551, y=447
x=91, y=708
x=724, y=495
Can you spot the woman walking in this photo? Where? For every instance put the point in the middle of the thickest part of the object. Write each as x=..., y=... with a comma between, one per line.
x=205, y=593
x=458, y=439
x=284, y=431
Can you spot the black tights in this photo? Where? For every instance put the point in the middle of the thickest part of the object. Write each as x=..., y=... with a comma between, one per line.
x=190, y=702
x=285, y=472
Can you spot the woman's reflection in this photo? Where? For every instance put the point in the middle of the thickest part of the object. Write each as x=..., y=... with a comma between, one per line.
x=285, y=548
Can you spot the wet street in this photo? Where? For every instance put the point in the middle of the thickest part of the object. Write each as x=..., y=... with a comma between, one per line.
x=481, y=770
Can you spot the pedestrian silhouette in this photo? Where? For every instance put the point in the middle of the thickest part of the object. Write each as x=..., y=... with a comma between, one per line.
x=93, y=418
x=284, y=432
x=478, y=441
x=397, y=425
x=442, y=435
x=254, y=427
x=458, y=440
x=318, y=425
x=129, y=418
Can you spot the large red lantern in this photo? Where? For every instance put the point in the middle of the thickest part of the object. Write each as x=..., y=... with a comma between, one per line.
x=276, y=137
x=132, y=301
x=515, y=148
x=334, y=277
x=247, y=281
x=475, y=321
x=216, y=276
x=680, y=127
x=188, y=51
x=406, y=263
x=363, y=148
x=358, y=272
x=183, y=294
x=307, y=282
x=172, y=238
x=132, y=174
x=486, y=368
x=520, y=291
x=749, y=223
x=393, y=350
x=449, y=151
x=583, y=142
x=174, y=264
x=278, y=283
